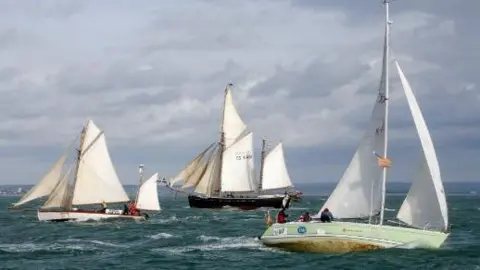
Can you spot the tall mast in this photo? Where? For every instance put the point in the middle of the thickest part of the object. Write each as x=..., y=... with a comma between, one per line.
x=385, y=133
x=140, y=171
x=69, y=200
x=262, y=159
x=221, y=143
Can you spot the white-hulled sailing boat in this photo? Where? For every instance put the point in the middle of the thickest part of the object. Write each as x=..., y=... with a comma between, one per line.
x=90, y=180
x=223, y=174
x=423, y=217
x=147, y=195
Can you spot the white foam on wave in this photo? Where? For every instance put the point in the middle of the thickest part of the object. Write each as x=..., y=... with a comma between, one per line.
x=161, y=235
x=95, y=242
x=31, y=247
x=171, y=219
x=390, y=209
x=218, y=243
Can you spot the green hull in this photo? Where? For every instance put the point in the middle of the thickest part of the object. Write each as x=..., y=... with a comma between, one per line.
x=347, y=236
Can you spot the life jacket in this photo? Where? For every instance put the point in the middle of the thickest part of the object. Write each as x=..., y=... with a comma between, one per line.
x=281, y=218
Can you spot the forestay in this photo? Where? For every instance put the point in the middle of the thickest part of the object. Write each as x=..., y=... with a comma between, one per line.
x=275, y=173
x=237, y=166
x=358, y=194
x=148, y=195
x=96, y=180
x=425, y=204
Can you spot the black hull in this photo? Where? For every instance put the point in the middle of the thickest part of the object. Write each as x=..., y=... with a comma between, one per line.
x=242, y=203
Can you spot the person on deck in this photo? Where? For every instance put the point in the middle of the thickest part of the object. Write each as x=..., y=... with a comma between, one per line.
x=326, y=216
x=306, y=217
x=282, y=217
x=301, y=218
x=104, y=206
x=132, y=209
x=125, y=209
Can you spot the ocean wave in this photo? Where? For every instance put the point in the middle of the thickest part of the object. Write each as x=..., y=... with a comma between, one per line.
x=31, y=247
x=161, y=235
x=219, y=243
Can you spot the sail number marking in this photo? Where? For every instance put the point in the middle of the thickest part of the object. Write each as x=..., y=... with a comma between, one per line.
x=279, y=231
x=243, y=155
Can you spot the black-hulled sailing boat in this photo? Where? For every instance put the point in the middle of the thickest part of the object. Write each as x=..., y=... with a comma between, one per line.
x=223, y=174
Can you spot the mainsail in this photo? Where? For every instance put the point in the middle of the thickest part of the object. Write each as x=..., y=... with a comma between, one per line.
x=358, y=194
x=226, y=166
x=96, y=180
x=275, y=174
x=237, y=166
x=425, y=204
x=148, y=195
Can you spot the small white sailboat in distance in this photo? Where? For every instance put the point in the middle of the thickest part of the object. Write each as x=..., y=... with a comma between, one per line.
x=423, y=216
x=90, y=179
x=147, y=195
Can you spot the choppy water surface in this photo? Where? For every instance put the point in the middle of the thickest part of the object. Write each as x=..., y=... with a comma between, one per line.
x=183, y=238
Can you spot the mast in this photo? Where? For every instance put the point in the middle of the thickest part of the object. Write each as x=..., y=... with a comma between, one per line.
x=217, y=190
x=69, y=199
x=385, y=133
x=140, y=171
x=262, y=160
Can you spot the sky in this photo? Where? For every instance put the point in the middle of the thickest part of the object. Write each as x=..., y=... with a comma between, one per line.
x=152, y=75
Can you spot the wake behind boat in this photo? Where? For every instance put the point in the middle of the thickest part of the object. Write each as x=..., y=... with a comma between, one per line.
x=422, y=218
x=89, y=180
x=223, y=174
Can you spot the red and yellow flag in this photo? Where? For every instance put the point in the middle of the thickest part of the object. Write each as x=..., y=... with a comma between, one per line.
x=384, y=162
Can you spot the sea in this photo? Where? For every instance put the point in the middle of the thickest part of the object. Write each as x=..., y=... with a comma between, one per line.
x=180, y=237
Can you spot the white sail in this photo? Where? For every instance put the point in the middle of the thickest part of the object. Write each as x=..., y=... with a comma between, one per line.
x=205, y=185
x=275, y=173
x=237, y=166
x=148, y=195
x=60, y=193
x=47, y=184
x=96, y=180
x=188, y=173
x=233, y=125
x=425, y=204
x=358, y=194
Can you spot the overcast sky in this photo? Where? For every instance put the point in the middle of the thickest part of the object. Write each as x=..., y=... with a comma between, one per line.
x=152, y=75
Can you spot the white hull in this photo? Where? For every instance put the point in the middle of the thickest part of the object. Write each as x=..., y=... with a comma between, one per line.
x=82, y=216
x=348, y=236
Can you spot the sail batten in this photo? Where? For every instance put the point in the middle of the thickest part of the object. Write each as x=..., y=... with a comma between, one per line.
x=275, y=173
x=425, y=204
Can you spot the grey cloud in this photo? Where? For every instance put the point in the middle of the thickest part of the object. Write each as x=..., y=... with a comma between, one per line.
x=306, y=75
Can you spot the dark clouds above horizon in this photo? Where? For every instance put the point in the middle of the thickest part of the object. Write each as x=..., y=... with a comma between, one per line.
x=152, y=74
